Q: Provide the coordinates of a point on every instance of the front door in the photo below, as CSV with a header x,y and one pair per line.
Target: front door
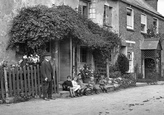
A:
x,y
149,67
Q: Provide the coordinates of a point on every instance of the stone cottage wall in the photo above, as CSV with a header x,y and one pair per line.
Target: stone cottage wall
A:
x,y
9,9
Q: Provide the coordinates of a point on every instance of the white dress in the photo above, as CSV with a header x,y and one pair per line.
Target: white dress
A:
x,y
75,86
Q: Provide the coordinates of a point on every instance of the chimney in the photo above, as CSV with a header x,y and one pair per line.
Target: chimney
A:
x,y
152,3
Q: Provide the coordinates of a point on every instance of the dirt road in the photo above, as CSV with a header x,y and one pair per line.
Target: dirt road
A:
x,y
145,100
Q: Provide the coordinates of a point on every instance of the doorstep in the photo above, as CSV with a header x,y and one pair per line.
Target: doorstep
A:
x,y
66,94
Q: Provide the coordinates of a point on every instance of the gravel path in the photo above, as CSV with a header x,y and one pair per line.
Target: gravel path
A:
x,y
145,100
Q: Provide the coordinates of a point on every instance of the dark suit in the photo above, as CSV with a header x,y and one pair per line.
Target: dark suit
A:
x,y
47,72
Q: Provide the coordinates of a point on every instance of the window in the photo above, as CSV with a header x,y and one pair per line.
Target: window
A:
x,y
129,55
155,24
83,8
130,18
143,23
92,12
107,19
83,54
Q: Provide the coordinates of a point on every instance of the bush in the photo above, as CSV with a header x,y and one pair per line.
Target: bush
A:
x,y
115,74
122,63
139,76
152,76
128,80
113,68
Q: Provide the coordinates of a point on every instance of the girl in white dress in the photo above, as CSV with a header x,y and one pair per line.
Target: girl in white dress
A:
x,y
76,87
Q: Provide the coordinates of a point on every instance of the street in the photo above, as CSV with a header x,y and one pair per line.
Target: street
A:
x,y
140,100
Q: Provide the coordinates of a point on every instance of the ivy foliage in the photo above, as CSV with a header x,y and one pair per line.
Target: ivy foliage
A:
x,y
34,26
122,63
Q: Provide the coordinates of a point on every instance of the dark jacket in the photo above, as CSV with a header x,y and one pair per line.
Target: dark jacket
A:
x,y
67,85
46,70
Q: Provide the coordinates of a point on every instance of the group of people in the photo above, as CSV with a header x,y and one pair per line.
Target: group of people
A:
x,y
75,86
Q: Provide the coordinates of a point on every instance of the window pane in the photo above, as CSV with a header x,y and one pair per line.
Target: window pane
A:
x,y
129,18
129,21
107,15
143,19
129,12
155,22
83,54
143,27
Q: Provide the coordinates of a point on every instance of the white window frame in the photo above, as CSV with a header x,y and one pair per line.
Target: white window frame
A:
x,y
132,20
106,20
157,28
131,59
83,4
92,11
144,23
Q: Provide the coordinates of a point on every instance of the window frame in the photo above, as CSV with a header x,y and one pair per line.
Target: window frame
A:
x,y
132,20
105,18
82,55
145,30
157,28
92,11
84,5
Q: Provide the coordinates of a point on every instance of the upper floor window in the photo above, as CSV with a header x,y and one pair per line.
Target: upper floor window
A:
x,y
130,18
143,23
83,8
92,11
155,24
107,19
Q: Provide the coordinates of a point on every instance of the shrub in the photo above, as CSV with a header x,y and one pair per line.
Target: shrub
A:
x,y
128,80
122,63
113,68
139,76
115,74
153,76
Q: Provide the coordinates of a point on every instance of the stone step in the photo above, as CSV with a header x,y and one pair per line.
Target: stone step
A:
x,y
64,94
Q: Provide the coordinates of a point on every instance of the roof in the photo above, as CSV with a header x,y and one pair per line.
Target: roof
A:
x,y
149,45
143,5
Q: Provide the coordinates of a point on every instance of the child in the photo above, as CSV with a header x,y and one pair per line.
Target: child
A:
x,y
83,87
68,86
92,85
76,87
102,84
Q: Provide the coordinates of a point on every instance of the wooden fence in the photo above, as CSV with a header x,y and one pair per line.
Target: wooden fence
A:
x,y
22,81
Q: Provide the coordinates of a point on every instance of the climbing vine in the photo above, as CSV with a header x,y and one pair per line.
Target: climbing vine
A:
x,y
35,26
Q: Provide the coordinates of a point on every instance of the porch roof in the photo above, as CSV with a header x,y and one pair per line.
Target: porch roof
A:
x,y
149,45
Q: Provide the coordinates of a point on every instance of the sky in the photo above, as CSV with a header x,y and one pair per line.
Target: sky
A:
x,y
161,7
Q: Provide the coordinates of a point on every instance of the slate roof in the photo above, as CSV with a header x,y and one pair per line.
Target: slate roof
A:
x,y
143,5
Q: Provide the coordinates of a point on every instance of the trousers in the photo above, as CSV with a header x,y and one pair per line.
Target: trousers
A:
x,y
47,89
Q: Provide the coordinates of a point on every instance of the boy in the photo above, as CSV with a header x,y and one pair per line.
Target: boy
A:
x,y
83,87
92,85
102,84
67,86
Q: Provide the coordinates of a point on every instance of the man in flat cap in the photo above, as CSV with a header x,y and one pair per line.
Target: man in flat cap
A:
x,y
47,75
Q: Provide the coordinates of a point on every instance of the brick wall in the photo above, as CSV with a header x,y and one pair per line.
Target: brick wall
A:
x,y
135,35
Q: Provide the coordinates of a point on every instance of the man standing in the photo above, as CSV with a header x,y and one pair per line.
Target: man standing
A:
x,y
47,75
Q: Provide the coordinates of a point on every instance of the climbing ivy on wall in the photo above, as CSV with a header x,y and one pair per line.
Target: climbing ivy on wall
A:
x,y
34,26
